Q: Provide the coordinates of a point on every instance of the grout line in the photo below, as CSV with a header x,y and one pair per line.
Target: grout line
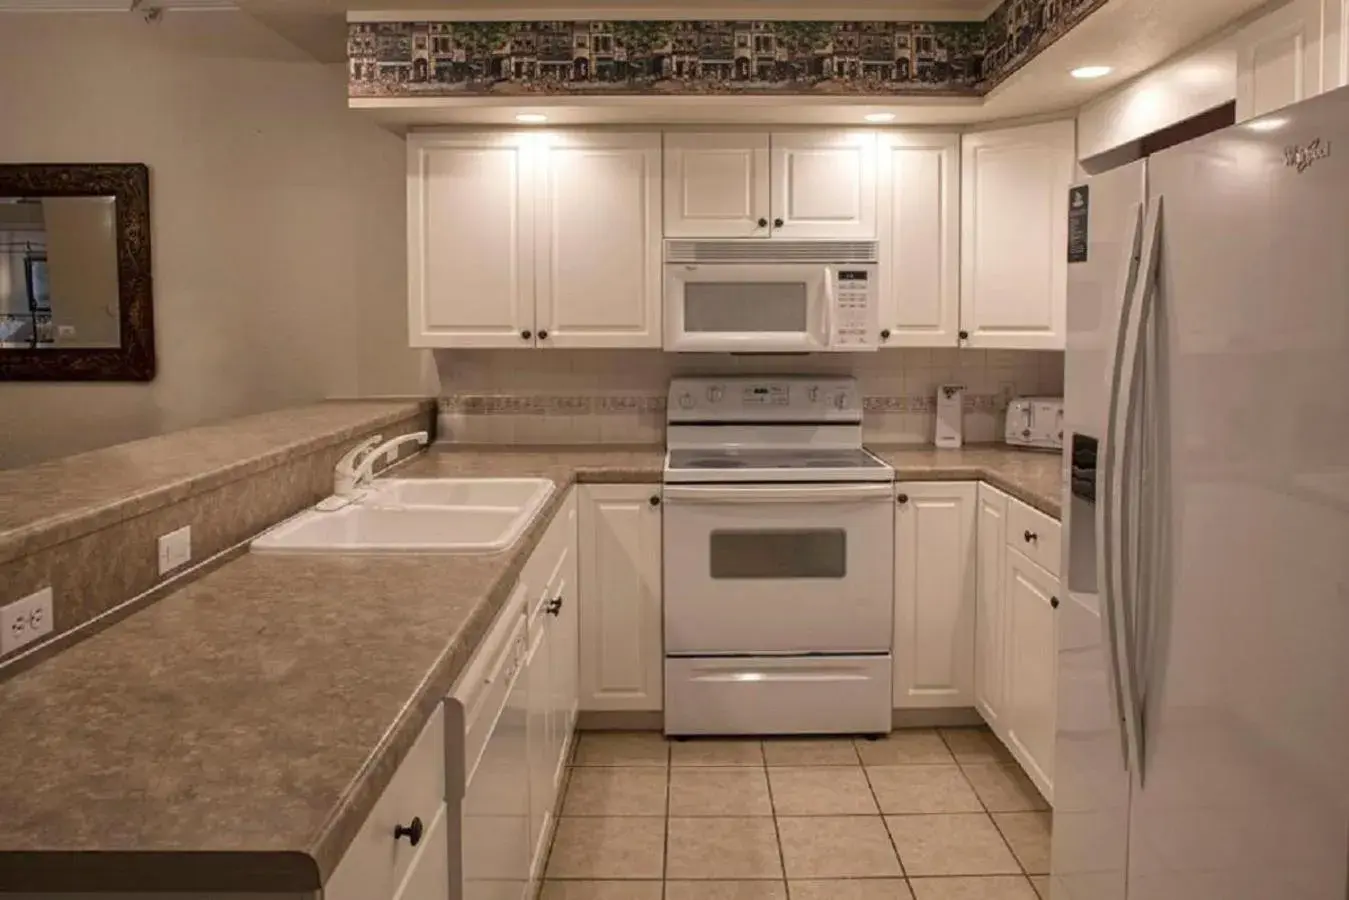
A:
x,y
903,870
669,787
773,808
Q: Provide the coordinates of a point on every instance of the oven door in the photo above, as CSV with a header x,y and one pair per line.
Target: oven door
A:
x,y
779,569
748,308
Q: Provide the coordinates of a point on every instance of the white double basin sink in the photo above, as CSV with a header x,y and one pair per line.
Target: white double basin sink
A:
x,y
417,515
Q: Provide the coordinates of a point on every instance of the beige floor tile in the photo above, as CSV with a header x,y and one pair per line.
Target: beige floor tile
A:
x,y
708,791
922,789
1000,887
975,745
851,889
622,748
608,848
698,752
810,752
821,847
1041,885
902,748
1004,788
1028,833
821,791
601,890
964,844
723,848
616,791
725,890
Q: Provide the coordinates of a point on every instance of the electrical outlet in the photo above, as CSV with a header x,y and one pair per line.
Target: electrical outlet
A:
x,y
175,549
26,620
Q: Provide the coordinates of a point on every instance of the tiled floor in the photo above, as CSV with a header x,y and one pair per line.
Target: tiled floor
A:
x,y
921,815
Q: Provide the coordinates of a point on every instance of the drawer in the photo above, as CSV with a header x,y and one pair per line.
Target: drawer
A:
x,y
376,863
1034,534
429,876
776,695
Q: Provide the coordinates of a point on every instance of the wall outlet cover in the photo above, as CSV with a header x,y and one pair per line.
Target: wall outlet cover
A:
x,y
26,620
175,549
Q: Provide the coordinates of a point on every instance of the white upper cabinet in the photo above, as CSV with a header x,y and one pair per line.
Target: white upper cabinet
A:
x,y
1014,236
622,650
534,239
716,185
919,210
935,594
790,185
824,184
1287,56
599,252
470,241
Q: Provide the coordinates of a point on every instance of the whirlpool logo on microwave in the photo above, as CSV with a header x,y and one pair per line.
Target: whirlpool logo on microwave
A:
x,y
1304,157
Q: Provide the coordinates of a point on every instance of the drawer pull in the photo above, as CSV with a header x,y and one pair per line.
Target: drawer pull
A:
x,y
412,832
1031,537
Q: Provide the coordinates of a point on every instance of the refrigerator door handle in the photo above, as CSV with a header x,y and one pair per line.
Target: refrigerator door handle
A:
x,y
1130,364
1106,507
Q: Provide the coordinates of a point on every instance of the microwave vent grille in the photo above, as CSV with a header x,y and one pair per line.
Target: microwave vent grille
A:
x,y
761,251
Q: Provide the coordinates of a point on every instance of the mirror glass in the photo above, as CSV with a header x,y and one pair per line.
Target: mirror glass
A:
x,y
58,273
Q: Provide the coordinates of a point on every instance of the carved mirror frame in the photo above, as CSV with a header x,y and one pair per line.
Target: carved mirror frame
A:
x,y
134,360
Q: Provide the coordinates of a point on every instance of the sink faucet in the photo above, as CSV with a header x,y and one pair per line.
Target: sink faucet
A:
x,y
344,475
364,470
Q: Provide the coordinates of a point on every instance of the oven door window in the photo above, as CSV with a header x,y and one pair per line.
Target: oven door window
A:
x,y
779,554
746,307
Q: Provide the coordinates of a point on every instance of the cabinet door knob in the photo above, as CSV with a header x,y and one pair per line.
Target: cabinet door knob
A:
x,y
1031,537
554,606
964,335
763,223
412,832
526,334
1054,602
778,223
885,334
903,498
655,500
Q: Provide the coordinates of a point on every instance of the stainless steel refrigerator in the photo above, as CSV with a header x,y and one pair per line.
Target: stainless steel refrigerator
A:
x,y
1202,745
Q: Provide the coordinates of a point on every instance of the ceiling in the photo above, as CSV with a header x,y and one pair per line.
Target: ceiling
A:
x,y
1130,35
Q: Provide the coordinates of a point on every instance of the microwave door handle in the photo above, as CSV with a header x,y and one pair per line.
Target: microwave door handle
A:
x,y
827,313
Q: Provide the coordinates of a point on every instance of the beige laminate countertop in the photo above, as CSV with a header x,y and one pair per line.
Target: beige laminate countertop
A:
x,y
235,735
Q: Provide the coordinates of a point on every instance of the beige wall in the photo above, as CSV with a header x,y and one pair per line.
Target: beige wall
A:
x,y
277,215
82,268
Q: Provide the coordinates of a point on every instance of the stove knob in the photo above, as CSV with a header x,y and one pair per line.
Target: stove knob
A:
x,y
813,394
714,394
841,400
686,401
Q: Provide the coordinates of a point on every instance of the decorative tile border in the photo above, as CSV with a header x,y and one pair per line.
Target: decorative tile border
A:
x,y
748,57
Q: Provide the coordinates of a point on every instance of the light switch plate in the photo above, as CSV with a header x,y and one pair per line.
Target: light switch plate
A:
x,y
26,620
175,549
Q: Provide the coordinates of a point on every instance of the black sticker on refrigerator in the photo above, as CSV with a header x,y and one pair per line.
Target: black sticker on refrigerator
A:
x,y
1079,218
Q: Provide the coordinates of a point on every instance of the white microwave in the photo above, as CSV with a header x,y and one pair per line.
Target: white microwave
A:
x,y
771,296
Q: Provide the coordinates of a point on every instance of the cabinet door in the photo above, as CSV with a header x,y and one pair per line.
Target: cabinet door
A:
x,y
470,240
824,184
1014,236
920,239
934,595
1279,58
620,592
1032,668
598,243
990,642
716,185
429,878
538,675
1334,44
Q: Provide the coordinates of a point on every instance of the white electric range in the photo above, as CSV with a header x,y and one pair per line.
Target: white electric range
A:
x,y
779,560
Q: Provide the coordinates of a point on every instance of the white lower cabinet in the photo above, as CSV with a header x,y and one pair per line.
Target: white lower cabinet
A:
x,y
1016,643
621,645
935,594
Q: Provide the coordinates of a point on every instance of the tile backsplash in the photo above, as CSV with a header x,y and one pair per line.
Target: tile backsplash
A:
x,y
618,396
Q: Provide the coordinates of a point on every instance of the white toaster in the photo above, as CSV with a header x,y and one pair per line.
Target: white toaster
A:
x,y
1035,422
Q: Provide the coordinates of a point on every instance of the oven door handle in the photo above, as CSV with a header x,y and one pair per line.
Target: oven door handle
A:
x,y
815,493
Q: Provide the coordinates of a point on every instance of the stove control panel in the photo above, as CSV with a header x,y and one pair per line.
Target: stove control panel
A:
x,y
758,399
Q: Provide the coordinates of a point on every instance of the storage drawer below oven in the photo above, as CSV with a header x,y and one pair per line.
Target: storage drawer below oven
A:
x,y
778,695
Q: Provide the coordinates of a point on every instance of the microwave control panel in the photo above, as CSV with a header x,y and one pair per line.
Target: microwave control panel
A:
x,y
854,315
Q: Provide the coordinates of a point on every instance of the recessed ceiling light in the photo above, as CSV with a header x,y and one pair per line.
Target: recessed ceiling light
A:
x,y
531,118
1088,72
879,117
1267,124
